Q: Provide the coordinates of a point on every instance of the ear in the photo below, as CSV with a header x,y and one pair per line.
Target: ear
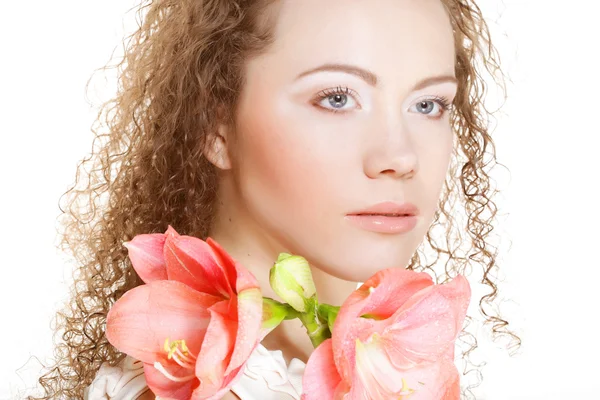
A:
x,y
216,148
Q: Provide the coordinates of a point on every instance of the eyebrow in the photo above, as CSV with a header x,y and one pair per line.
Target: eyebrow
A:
x,y
371,78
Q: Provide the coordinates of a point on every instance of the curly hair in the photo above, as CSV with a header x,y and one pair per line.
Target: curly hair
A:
x,y
182,67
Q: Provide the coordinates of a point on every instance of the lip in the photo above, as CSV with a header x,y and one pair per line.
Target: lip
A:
x,y
390,208
386,217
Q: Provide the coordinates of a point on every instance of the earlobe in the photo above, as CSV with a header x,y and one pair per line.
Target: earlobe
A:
x,y
215,149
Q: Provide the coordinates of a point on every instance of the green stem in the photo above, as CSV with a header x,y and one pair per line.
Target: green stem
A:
x,y
328,313
316,327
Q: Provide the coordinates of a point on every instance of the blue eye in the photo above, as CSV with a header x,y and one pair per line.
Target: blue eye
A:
x,y
335,99
426,107
338,100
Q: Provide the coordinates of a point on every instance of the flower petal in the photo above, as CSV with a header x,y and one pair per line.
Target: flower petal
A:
x,y
216,349
146,254
229,381
390,288
427,325
193,261
320,378
235,274
376,378
380,296
140,321
249,317
165,388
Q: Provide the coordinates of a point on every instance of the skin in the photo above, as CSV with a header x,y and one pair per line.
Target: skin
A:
x,y
290,169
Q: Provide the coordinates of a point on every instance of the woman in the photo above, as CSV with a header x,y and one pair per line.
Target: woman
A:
x,y
284,126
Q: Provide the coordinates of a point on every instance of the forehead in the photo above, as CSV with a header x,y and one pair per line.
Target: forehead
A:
x,y
394,38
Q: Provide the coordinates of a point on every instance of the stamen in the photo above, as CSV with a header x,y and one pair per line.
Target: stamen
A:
x,y
173,347
187,357
184,358
183,363
162,370
181,356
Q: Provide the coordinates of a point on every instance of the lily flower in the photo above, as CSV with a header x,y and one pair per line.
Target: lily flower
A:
x,y
195,321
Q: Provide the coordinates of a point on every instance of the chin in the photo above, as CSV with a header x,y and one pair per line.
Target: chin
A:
x,y
357,256
358,268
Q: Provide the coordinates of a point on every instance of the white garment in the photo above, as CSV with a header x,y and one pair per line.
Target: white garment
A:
x,y
266,377
123,382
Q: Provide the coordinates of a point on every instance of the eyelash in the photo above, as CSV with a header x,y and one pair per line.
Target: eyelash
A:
x,y
442,101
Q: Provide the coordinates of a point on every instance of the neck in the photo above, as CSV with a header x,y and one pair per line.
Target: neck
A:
x,y
256,251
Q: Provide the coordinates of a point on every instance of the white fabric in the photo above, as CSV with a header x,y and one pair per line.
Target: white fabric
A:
x,y
266,377
123,382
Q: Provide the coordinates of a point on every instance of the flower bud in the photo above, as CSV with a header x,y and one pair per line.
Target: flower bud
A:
x,y
274,313
291,279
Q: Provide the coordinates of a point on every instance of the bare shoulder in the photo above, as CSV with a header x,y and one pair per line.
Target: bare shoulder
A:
x,y
148,395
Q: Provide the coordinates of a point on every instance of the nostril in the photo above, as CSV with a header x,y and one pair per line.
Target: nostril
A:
x,y
405,175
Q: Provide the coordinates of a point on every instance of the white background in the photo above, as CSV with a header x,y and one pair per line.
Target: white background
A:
x,y
548,137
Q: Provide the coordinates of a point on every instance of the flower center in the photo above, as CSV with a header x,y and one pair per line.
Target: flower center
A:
x,y
405,391
178,352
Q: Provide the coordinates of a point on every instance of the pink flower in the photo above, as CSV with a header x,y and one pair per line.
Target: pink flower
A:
x,y
195,321
393,339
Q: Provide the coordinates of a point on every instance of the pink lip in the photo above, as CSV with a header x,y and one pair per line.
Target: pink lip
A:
x,y
387,217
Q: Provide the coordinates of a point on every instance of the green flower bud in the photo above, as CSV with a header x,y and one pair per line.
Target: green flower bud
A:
x,y
292,280
274,313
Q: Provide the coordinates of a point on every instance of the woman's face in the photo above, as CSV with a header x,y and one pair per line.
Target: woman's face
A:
x,y
345,111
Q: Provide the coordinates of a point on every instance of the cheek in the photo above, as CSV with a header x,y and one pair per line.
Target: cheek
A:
x,y
435,158
434,153
284,162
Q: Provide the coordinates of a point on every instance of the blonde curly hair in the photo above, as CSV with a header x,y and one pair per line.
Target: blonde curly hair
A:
x,y
182,64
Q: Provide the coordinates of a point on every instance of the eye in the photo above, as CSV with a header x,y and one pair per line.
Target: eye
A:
x,y
336,99
435,107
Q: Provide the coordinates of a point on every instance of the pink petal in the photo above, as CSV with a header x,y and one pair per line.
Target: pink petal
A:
x,y
192,261
320,378
229,265
171,232
249,316
245,279
140,321
377,378
166,388
389,289
216,350
375,371
146,254
381,295
229,381
427,325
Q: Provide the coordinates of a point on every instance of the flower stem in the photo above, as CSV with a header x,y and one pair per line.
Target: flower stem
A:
x,y
328,313
316,327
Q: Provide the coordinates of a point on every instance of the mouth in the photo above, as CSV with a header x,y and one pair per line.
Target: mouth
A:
x,y
388,209
387,217
382,214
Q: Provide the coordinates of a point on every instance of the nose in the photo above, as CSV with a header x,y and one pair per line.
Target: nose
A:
x,y
391,154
